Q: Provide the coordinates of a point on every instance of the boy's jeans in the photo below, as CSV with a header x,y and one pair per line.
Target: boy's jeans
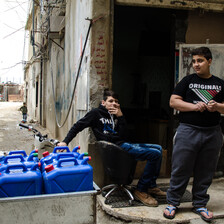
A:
x,y
24,117
153,154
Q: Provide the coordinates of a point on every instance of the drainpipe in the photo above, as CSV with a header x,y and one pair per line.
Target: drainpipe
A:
x,y
41,75
33,41
41,88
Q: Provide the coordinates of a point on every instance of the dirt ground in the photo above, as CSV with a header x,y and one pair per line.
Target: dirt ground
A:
x,y
12,137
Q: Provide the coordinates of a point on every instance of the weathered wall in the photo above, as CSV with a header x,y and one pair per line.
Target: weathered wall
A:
x,y
65,69
33,68
48,101
94,72
32,74
203,26
101,50
216,5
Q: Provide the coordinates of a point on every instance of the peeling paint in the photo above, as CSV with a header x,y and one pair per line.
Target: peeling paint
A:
x,y
207,5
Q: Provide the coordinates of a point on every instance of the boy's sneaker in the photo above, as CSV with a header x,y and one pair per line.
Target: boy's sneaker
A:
x,y
145,198
157,192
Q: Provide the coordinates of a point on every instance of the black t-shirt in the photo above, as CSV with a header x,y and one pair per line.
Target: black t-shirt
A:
x,y
194,89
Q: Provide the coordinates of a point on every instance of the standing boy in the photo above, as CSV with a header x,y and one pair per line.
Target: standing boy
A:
x,y
108,124
23,109
199,97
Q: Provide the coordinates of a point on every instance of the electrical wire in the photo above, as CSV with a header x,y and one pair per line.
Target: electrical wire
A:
x,y
24,41
77,75
13,65
14,32
45,33
12,8
76,81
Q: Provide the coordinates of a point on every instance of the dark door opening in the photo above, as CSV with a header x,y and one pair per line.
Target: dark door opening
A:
x,y
144,69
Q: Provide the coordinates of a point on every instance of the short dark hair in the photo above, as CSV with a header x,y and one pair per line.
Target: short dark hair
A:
x,y
205,51
108,93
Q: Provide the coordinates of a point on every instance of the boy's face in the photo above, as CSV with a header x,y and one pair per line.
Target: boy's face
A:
x,y
110,102
201,65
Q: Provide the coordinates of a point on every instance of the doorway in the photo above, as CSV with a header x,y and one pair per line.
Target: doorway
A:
x,y
144,70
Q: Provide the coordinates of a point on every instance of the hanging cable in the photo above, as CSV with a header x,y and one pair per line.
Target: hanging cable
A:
x,y
77,76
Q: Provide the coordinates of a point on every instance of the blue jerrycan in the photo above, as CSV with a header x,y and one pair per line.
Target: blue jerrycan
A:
x,y
68,176
33,157
17,159
25,156
18,152
34,151
56,151
54,161
46,155
75,151
17,180
82,156
2,158
48,158
59,148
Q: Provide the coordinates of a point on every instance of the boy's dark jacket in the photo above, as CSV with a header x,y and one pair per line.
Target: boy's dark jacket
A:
x,y
105,126
23,109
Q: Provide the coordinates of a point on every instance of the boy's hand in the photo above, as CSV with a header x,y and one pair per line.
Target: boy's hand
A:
x,y
200,106
116,110
61,144
212,106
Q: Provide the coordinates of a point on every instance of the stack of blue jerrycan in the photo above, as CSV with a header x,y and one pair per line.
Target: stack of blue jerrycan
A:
x,y
52,158
34,154
19,156
58,153
20,174
66,171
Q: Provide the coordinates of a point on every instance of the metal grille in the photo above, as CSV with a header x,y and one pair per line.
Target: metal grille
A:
x,y
119,199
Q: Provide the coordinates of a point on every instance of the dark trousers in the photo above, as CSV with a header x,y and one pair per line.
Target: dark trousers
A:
x,y
153,154
24,117
196,152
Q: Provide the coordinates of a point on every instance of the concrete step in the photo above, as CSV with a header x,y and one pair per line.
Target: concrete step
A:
x,y
144,214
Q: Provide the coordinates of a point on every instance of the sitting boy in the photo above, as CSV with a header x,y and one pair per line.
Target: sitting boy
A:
x,y
108,124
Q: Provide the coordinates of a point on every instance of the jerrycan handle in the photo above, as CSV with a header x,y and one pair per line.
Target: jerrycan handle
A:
x,y
15,166
84,161
65,155
60,161
35,167
14,157
76,149
30,158
82,155
60,148
18,152
34,151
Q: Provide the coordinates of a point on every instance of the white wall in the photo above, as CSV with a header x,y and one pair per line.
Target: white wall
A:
x,y
93,76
